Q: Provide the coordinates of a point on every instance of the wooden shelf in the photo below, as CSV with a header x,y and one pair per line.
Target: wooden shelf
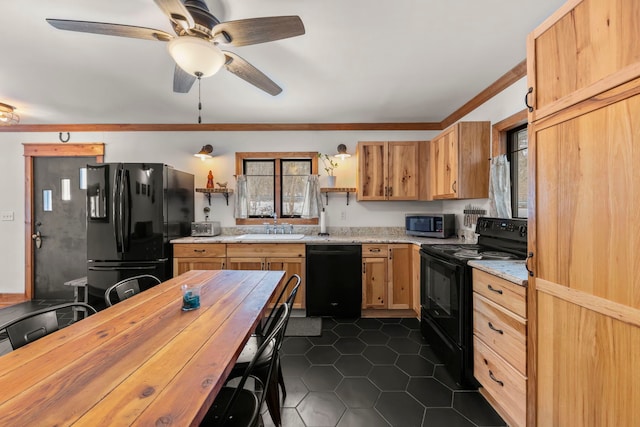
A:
x,y
327,190
207,192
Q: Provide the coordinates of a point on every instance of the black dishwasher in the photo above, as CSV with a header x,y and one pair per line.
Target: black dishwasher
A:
x,y
334,280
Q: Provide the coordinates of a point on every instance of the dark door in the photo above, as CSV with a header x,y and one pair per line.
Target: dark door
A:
x,y
60,220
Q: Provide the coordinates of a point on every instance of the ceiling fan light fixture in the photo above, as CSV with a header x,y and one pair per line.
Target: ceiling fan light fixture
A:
x,y
8,116
196,56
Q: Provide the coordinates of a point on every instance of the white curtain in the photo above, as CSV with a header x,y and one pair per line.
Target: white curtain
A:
x,y
241,207
312,204
500,187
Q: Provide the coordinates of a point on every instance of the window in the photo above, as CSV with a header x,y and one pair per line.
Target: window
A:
x,y
517,147
276,182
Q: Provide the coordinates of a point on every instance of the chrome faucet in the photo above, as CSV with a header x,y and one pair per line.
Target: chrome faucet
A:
x,y
275,218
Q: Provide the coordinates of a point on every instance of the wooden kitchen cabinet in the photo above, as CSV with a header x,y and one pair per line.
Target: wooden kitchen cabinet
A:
x,y
271,256
387,276
198,256
583,64
459,162
388,170
500,344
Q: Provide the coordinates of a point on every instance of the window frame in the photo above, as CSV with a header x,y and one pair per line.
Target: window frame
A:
x,y
514,169
277,157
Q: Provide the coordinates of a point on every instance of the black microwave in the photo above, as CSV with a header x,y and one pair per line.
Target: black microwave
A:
x,y
430,225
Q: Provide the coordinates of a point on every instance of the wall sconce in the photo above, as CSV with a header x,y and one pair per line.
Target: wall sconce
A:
x,y
205,152
7,115
342,152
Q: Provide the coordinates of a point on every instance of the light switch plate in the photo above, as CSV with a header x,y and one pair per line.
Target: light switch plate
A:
x,y
6,215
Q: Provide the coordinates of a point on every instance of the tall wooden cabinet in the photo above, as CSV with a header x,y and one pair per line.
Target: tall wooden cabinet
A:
x,y
459,162
584,144
388,170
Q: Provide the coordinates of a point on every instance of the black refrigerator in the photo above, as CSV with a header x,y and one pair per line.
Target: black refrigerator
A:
x,y
133,211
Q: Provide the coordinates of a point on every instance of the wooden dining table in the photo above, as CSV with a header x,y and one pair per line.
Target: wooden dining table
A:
x,y
143,361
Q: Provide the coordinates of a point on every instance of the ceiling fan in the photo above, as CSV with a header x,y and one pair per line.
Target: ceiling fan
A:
x,y
195,48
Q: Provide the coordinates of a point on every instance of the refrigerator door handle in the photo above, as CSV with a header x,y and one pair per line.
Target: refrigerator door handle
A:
x,y
119,218
115,203
126,211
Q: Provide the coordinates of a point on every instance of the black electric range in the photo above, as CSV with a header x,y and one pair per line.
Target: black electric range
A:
x,y
446,289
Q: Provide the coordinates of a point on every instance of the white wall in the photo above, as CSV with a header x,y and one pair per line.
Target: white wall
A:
x,y
177,148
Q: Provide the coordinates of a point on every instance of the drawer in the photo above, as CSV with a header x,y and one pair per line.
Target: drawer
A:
x,y
507,294
199,250
503,331
283,250
506,385
370,250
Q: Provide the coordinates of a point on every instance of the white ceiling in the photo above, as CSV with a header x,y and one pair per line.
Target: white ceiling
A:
x,y
367,61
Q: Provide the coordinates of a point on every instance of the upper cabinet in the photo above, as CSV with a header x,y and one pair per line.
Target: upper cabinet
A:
x,y
581,50
459,162
388,170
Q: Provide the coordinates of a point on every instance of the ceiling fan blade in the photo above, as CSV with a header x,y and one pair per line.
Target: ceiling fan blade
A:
x,y
241,68
182,81
245,32
177,13
110,29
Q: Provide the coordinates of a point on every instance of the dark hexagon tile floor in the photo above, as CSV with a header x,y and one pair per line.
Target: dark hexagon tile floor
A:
x,y
373,373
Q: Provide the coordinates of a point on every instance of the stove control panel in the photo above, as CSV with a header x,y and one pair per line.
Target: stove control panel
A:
x,y
505,228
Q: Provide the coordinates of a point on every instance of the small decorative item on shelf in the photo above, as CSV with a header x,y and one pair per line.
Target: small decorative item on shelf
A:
x,y
210,180
222,185
329,166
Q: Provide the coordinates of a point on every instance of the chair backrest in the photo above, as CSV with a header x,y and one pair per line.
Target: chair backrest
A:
x,y
293,279
273,337
127,288
31,326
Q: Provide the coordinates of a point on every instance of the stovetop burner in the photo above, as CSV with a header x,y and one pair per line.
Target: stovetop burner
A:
x,y
468,254
496,255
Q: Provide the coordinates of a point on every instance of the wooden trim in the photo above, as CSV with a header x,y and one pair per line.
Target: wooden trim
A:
x,y
532,296
601,100
11,299
617,311
223,127
45,150
555,17
506,80
500,129
618,78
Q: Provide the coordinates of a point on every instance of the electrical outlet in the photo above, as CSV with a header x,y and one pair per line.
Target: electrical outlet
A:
x,y
343,215
6,215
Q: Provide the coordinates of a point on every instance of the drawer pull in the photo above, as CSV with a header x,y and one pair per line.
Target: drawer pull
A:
x,y
493,328
495,379
200,251
492,289
374,250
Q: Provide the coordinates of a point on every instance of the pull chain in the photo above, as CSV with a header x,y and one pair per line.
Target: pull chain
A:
x,y
199,75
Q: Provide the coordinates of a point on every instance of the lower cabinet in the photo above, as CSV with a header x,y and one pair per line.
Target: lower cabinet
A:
x,y
387,276
198,256
270,256
500,344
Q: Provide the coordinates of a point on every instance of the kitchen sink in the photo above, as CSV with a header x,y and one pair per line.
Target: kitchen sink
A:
x,y
270,237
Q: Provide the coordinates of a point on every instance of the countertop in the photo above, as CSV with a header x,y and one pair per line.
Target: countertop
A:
x,y
315,239
513,271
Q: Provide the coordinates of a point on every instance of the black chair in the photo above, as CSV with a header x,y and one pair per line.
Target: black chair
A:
x,y
238,406
128,287
31,326
261,371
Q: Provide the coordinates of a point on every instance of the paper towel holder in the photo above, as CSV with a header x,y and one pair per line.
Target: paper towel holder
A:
x,y
323,228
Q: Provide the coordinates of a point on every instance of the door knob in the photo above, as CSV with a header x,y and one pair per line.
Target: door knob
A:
x,y
37,237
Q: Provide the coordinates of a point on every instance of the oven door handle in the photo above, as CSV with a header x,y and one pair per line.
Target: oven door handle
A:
x,y
431,258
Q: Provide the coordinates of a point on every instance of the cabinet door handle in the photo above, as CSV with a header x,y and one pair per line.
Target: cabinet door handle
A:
x,y
495,379
390,191
200,251
224,265
454,186
526,264
262,266
386,191
364,268
376,250
268,266
492,289
493,328
526,100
